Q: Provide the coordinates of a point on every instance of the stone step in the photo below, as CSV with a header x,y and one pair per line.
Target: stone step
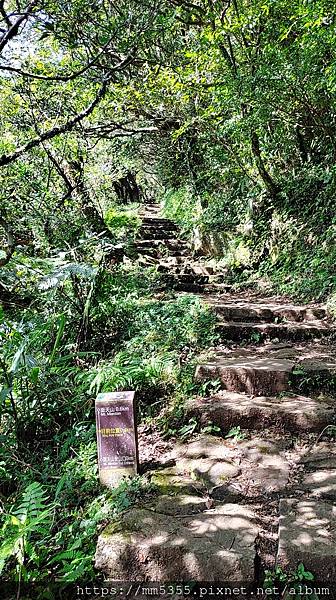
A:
x,y
159,253
191,288
224,468
183,266
175,538
319,480
149,205
165,224
184,278
263,312
216,288
150,211
293,413
156,234
320,456
173,260
272,370
307,534
170,243
171,267
234,330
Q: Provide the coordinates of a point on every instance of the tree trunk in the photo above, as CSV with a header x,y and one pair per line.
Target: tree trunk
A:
x,y
270,184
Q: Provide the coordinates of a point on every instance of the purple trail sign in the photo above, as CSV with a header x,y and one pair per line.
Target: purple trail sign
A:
x,y
116,437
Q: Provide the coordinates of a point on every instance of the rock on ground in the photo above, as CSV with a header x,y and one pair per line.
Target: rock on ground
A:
x,y
307,534
264,464
292,412
216,545
321,483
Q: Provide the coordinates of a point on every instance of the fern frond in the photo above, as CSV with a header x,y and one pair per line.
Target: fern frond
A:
x,y
65,555
33,502
64,272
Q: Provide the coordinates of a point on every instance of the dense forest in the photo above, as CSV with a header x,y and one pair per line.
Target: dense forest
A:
x,y
221,113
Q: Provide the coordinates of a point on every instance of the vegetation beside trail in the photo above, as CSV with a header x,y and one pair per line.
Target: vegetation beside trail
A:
x,y
53,505
223,113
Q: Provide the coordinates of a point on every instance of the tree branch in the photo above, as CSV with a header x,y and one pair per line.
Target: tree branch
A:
x,y
114,130
11,244
71,76
6,159
13,29
4,14
271,186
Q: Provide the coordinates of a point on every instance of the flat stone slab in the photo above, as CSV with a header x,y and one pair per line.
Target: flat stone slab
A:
x,y
321,484
320,456
205,446
269,370
283,331
239,309
185,505
170,243
175,481
216,545
264,464
293,413
201,463
211,472
253,375
307,534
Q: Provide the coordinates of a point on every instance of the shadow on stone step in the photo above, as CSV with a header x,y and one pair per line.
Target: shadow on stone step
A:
x,y
167,541
288,413
150,465
307,534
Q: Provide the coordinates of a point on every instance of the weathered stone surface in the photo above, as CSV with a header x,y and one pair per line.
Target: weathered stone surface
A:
x,y
257,375
268,372
184,505
320,456
173,480
152,233
246,313
192,288
206,459
171,243
217,545
307,533
321,483
264,464
238,310
205,446
300,313
283,331
294,413
181,278
211,472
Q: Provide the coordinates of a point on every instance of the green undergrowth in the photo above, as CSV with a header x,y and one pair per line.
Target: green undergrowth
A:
x,y
49,532
303,267
284,245
123,222
181,206
126,334
297,262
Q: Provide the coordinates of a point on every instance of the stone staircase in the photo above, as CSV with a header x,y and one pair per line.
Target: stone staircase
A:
x,y
158,244
230,507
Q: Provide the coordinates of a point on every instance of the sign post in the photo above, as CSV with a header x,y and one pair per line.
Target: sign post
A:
x,y
116,437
